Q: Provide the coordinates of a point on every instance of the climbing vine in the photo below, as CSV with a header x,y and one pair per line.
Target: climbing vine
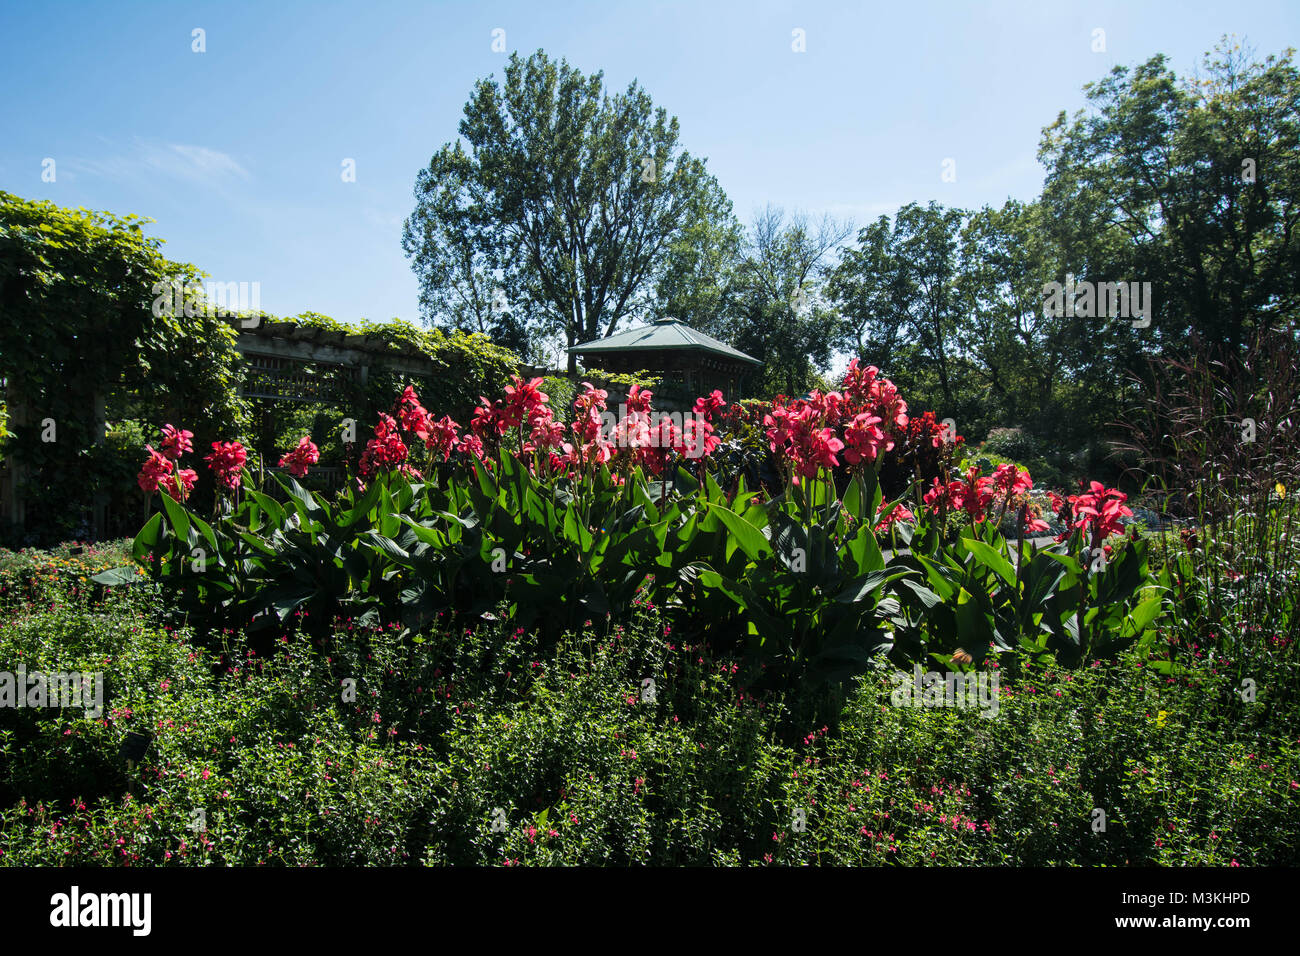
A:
x,y
77,322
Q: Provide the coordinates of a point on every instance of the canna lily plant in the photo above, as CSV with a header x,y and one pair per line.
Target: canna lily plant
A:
x,y
559,523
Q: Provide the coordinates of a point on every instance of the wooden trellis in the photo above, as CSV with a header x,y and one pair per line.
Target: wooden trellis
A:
x,y
280,379
291,362
288,363
284,362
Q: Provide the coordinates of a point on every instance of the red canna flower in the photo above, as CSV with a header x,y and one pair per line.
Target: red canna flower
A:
x,y
899,513
413,416
442,436
157,468
297,460
638,399
864,438
176,441
592,398
227,463
180,487
707,406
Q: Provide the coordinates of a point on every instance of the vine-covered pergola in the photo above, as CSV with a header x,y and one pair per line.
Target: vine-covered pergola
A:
x,y
288,362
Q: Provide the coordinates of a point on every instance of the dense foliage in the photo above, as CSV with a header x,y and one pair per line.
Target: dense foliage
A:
x,y
565,215
349,681
77,323
479,747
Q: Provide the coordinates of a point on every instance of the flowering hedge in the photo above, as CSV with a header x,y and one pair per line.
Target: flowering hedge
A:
x,y
774,442
563,522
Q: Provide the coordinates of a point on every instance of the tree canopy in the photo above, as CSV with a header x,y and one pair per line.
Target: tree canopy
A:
x,y
567,209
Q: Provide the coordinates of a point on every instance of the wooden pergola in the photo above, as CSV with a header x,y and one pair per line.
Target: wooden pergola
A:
x,y
283,362
278,355
289,362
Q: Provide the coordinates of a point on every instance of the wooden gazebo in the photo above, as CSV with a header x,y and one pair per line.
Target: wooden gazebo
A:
x,y
690,362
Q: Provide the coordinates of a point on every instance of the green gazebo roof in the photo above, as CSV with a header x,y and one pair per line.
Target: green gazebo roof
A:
x,y
661,335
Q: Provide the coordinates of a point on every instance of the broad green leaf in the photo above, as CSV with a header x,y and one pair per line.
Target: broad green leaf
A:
x,y
750,538
992,559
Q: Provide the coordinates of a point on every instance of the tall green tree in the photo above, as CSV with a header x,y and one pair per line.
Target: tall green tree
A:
x,y
926,243
570,200
1053,374
870,286
777,310
1190,183
458,258
698,283
897,293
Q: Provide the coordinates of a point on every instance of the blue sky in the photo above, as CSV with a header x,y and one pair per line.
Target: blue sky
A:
x,y
237,152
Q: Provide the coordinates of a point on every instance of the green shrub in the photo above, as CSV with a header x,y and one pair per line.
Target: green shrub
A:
x,y
1013,444
576,764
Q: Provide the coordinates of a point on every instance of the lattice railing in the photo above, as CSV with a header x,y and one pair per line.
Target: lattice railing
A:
x,y
291,380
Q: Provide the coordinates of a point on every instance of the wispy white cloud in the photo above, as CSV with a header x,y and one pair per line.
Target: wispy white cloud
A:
x,y
196,162
199,165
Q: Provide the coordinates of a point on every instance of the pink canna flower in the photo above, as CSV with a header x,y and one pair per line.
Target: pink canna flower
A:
x,y
1097,513
709,405
638,399
470,445
521,398
858,381
697,439
490,419
306,453
546,432
1008,481
227,463
949,495
591,399
179,488
157,468
442,436
176,441
864,438
413,416
824,446
1033,523
385,451
899,513
975,492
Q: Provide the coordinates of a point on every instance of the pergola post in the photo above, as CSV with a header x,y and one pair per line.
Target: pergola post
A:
x,y
99,515
13,506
